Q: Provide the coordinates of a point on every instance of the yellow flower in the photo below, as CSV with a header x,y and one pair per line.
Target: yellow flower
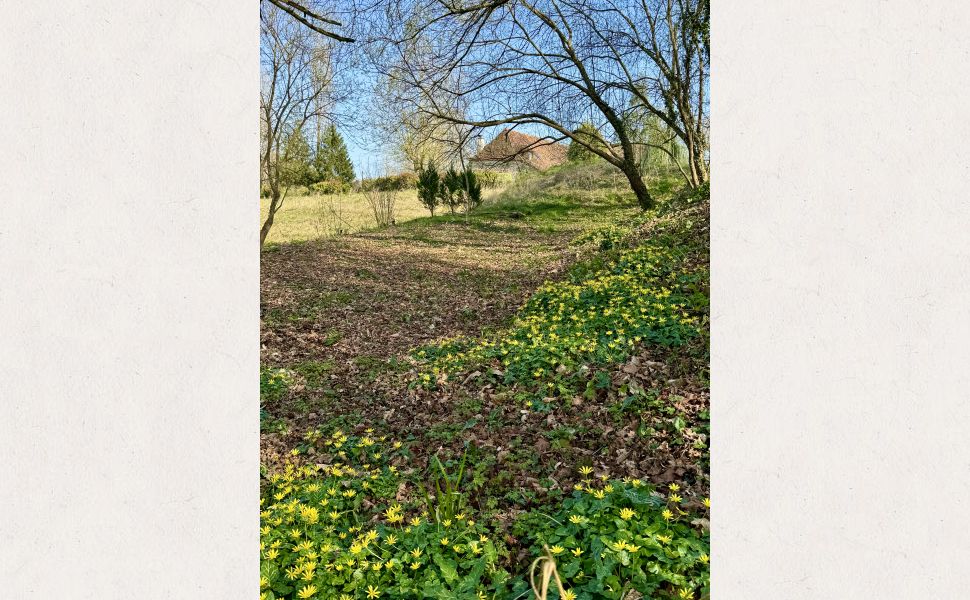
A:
x,y
704,558
444,541
416,553
667,514
626,514
600,494
707,502
576,519
686,594
372,592
307,591
577,551
416,521
556,550
272,554
675,498
586,470
392,539
569,595
263,581
415,566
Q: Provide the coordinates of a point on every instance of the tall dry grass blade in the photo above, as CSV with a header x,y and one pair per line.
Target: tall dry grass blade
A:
x,y
547,565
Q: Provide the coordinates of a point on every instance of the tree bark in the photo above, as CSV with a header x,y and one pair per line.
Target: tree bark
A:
x,y
644,199
274,205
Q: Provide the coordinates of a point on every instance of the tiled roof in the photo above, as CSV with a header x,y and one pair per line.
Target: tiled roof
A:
x,y
514,146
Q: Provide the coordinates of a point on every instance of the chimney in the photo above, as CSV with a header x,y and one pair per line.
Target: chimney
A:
x,y
479,143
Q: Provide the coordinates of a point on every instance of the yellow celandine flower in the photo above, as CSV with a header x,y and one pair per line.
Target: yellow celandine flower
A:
x,y
482,538
675,498
666,539
586,470
415,566
704,558
569,595
446,522
707,502
577,551
674,487
600,494
481,595
372,592
626,514
578,486
444,541
686,594
556,550
416,553
345,597
667,514
272,554
416,521
307,592
263,581
391,539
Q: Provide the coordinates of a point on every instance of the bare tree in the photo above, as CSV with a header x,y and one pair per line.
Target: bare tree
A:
x,y
309,18
555,63
296,72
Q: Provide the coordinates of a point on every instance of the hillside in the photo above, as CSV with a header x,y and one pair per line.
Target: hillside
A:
x,y
546,353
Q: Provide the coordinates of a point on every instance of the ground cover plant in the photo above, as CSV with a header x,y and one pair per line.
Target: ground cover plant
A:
x,y
341,529
533,373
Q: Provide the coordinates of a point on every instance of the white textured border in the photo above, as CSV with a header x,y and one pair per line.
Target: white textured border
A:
x,y
841,287
128,300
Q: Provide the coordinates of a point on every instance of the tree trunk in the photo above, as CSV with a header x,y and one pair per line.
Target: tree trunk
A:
x,y
274,205
644,199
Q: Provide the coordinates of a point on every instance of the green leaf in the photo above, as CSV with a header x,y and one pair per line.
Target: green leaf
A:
x,y
449,570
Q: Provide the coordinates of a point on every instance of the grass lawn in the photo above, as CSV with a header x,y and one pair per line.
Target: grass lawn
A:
x,y
308,217
305,218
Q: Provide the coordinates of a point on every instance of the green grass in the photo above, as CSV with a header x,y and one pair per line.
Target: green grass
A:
x,y
308,217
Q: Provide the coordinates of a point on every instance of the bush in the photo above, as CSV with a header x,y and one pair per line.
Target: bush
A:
x,y
460,189
428,184
390,183
450,189
331,186
381,203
